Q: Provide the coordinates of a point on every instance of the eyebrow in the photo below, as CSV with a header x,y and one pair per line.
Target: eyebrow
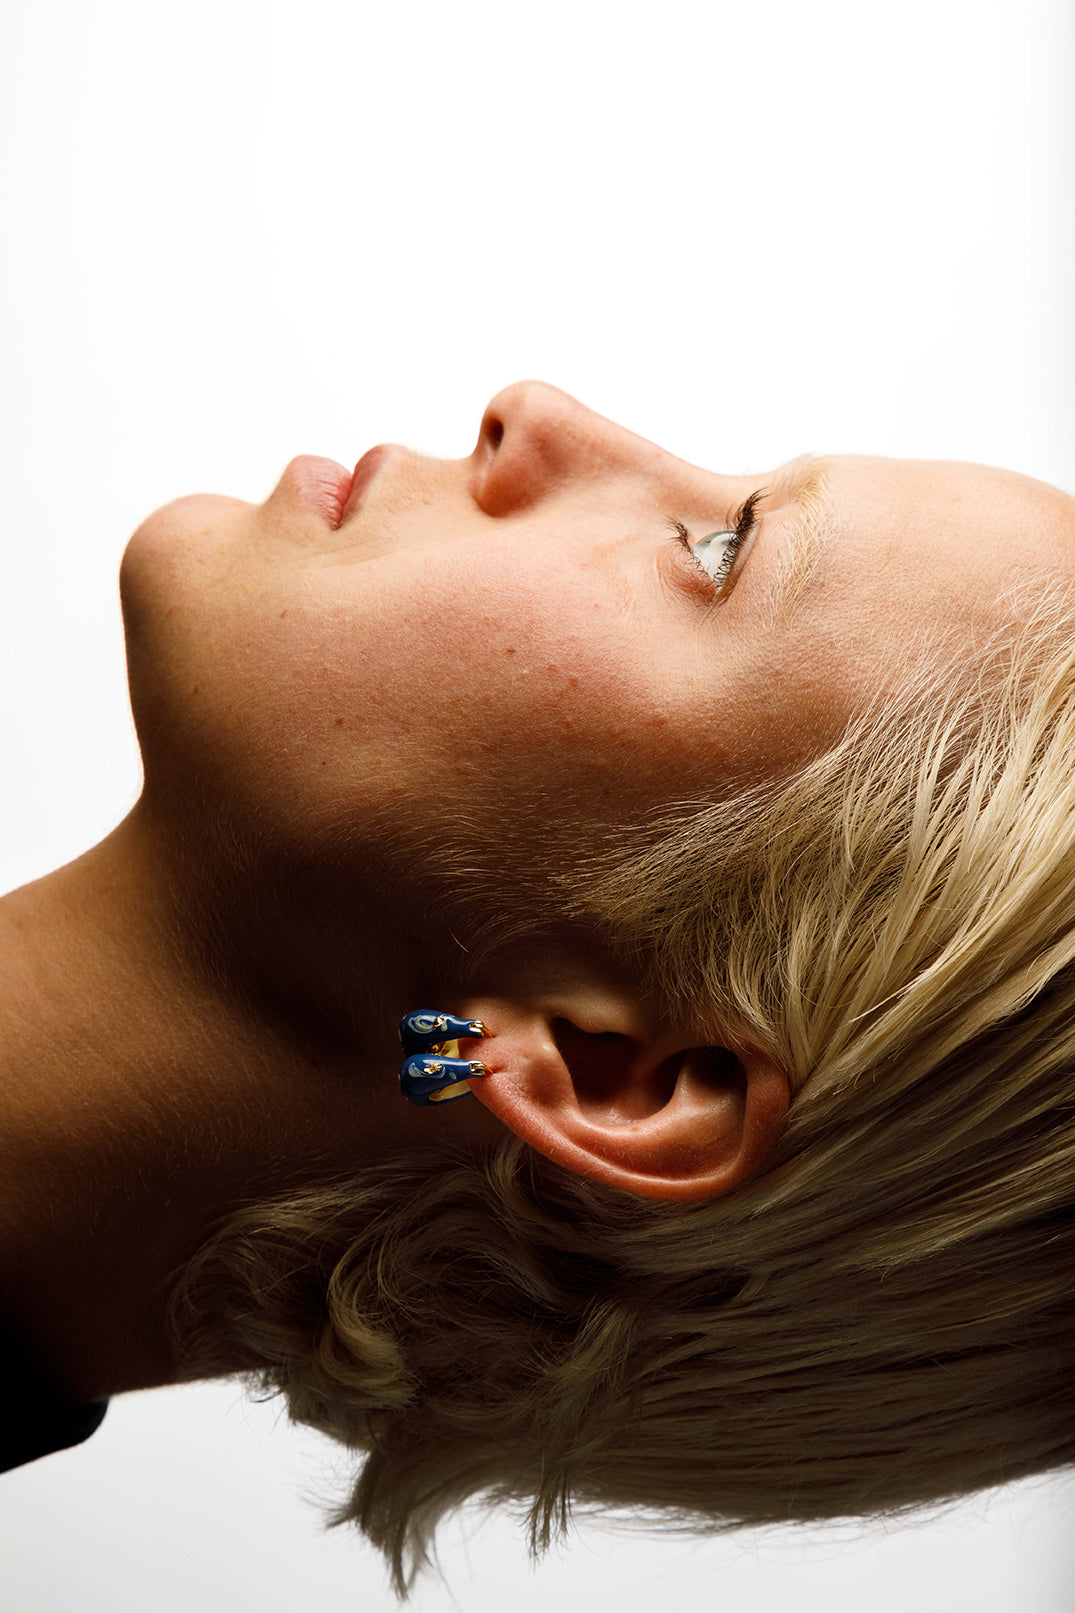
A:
x,y
805,481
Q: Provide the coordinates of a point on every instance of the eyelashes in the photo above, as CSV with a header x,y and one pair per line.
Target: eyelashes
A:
x,y
720,548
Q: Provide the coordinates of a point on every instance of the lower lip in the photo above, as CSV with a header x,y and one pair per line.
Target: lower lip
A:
x,y
320,485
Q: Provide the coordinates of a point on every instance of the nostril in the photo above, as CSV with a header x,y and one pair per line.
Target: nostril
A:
x,y
494,431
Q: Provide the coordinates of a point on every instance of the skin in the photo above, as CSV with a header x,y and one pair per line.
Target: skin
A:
x,y
487,663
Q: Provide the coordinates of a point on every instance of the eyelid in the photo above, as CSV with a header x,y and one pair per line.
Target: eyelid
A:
x,y
745,516
743,523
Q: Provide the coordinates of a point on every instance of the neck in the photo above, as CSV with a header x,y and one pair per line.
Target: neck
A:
x,y
139,1103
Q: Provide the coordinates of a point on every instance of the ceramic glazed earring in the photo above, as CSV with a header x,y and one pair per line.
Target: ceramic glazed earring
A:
x,y
433,1072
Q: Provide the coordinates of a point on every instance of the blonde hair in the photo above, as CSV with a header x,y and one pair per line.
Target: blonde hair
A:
x,y
880,1320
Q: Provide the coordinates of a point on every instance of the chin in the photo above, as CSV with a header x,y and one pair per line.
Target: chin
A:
x,y
185,519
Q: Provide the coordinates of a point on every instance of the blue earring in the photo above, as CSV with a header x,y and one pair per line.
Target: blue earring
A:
x,y
433,1073
422,1029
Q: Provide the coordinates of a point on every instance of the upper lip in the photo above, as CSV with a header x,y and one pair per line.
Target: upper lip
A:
x,y
365,471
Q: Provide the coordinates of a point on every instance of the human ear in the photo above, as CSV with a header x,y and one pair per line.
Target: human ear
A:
x,y
588,1085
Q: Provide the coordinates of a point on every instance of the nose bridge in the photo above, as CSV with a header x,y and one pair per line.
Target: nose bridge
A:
x,y
536,439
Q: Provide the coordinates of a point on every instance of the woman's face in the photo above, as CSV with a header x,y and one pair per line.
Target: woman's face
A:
x,y
522,638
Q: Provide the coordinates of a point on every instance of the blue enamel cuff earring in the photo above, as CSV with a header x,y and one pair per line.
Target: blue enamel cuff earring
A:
x,y
433,1072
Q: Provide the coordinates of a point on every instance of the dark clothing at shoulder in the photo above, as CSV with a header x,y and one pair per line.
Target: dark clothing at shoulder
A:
x,y
37,1416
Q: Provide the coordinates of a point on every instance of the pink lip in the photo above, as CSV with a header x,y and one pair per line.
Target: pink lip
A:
x,y
364,473
320,485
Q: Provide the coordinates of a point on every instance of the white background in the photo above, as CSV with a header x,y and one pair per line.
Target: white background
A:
x,y
233,232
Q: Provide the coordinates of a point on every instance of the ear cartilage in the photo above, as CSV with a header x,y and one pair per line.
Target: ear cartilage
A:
x,y
425,1079
424,1029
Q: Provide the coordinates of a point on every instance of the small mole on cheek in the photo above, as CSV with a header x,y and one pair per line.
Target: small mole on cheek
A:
x,y
194,689
283,613
339,722
510,650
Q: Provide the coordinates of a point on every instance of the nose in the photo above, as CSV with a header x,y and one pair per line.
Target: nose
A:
x,y
535,440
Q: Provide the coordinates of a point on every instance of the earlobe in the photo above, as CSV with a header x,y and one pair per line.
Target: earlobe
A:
x,y
650,1114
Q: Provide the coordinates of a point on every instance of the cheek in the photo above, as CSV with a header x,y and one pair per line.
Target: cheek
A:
x,y
486,682
546,670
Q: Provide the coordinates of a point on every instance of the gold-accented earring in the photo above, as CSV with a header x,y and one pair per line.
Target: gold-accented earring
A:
x,y
434,1072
